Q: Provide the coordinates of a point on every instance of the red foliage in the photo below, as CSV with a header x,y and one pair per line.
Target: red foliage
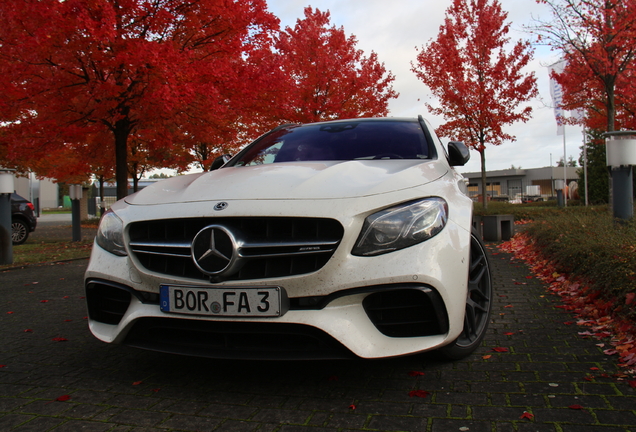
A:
x,y
526,415
600,71
418,393
480,84
328,77
80,79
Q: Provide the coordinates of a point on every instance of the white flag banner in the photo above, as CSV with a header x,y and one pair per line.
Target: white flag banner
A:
x,y
557,95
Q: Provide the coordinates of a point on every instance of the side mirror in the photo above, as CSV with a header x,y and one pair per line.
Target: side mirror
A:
x,y
220,161
458,153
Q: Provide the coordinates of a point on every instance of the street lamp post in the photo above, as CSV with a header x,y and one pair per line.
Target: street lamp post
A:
x,y
75,193
6,240
559,185
621,156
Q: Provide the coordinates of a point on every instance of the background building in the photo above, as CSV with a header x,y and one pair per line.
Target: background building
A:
x,y
519,183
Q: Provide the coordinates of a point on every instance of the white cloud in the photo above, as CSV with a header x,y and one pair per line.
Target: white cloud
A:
x,y
394,29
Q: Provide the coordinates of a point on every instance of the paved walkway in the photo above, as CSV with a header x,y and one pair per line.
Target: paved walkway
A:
x,y
56,376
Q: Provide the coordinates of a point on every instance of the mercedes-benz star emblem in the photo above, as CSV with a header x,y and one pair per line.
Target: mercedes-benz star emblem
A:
x,y
213,249
221,206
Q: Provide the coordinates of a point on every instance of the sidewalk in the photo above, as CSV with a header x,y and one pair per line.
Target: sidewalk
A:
x,y
55,376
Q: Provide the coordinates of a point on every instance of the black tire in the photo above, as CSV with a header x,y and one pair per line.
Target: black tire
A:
x,y
19,232
478,304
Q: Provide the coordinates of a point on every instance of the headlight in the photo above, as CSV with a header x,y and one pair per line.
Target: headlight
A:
x,y
110,234
401,226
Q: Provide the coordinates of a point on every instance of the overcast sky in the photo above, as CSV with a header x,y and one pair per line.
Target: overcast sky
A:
x,y
394,28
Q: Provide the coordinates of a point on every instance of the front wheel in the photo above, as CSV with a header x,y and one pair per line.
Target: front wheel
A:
x,y
19,232
478,304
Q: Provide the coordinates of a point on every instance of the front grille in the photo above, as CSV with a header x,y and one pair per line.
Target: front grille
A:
x,y
235,340
407,312
270,247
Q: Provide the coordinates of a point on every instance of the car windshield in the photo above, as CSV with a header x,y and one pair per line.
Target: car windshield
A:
x,y
339,141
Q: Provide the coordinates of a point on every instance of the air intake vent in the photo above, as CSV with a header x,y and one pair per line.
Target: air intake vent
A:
x,y
106,303
407,312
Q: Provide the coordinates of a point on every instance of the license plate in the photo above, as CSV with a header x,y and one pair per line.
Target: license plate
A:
x,y
230,301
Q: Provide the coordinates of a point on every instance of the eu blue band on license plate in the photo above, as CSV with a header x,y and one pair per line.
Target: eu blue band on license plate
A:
x,y
221,301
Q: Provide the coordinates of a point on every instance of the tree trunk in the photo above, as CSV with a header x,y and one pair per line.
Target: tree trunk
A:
x,y
484,192
122,129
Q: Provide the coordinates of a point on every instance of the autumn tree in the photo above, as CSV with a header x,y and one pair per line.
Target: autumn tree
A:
x,y
80,73
477,76
596,38
329,77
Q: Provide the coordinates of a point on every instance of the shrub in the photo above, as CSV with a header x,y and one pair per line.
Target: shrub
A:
x,y
590,244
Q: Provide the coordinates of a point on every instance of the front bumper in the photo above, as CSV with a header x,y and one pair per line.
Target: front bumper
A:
x,y
332,312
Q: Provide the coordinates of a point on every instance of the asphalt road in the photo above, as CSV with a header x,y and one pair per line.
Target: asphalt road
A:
x,y
56,376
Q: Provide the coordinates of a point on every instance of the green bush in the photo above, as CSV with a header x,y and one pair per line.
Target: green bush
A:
x,y
590,244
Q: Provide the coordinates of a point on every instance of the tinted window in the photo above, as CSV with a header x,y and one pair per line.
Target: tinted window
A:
x,y
339,141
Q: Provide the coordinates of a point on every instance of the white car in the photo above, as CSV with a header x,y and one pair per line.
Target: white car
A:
x,y
348,238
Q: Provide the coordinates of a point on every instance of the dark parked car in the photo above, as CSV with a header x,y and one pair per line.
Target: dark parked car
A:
x,y
23,220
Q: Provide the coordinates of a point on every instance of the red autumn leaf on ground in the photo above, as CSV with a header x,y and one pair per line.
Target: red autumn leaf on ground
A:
x,y
10,312
352,407
594,368
588,378
529,277
44,301
508,333
500,349
63,398
629,298
59,339
155,390
416,373
526,415
28,331
632,383
418,393
568,322
137,383
1,366
486,357
68,320
576,407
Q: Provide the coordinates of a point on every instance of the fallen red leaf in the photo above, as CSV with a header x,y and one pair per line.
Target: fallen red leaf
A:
x,y
509,333
63,398
44,301
418,393
1,366
59,339
155,390
500,349
416,373
526,415
352,407
588,378
10,312
629,298
28,331
137,383
594,368
576,407
632,383
486,357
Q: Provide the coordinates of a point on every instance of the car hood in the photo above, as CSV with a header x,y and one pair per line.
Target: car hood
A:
x,y
293,180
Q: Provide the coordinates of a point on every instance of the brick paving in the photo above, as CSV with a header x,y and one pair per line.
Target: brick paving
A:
x,y
543,373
